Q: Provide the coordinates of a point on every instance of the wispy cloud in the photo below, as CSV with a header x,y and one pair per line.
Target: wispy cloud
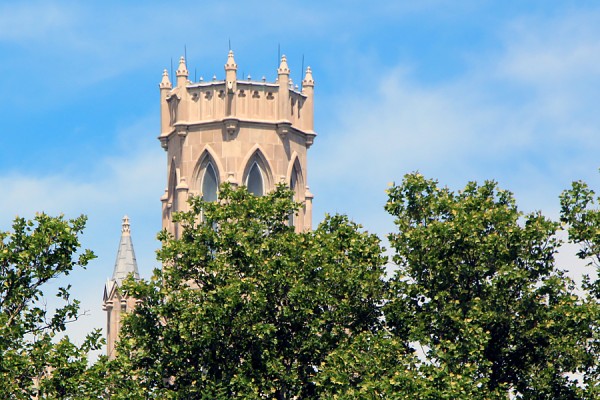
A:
x,y
523,114
552,52
130,183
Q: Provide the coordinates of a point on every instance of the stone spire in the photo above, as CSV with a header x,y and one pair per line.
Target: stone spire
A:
x,y
308,78
308,89
231,82
283,67
283,78
182,72
231,65
231,74
165,87
165,83
125,263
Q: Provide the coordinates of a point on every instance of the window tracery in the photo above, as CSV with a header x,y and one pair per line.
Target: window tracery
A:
x,y
255,180
210,183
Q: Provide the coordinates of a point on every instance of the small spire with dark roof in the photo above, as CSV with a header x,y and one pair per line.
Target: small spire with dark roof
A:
x,y
126,263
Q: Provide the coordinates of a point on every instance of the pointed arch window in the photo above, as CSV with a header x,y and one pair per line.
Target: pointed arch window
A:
x,y
294,180
293,185
172,187
210,183
255,181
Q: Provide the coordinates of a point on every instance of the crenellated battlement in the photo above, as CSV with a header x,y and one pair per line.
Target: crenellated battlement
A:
x,y
244,132
232,100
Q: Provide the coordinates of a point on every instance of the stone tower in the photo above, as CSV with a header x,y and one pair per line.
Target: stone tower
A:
x,y
245,132
115,301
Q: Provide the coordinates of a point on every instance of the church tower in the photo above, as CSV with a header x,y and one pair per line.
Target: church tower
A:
x,y
241,131
115,301
245,132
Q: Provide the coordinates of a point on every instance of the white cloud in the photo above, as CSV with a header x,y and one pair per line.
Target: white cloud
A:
x,y
122,182
524,115
552,52
487,123
130,183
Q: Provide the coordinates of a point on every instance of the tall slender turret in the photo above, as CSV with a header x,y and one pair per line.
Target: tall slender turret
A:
x,y
283,78
231,83
165,87
308,89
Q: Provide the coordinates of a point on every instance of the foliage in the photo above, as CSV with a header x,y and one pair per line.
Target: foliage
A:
x,y
477,287
245,307
32,361
580,213
369,365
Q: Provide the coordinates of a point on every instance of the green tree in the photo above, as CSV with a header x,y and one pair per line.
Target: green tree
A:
x,y
579,211
245,307
32,359
370,366
580,214
477,288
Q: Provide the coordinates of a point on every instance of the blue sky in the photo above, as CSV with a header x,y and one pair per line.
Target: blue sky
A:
x,y
460,91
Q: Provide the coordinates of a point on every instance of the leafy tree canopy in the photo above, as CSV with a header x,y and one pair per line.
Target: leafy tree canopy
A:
x,y
245,307
32,359
478,289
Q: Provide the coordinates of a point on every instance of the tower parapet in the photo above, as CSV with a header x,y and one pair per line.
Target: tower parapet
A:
x,y
233,125
192,104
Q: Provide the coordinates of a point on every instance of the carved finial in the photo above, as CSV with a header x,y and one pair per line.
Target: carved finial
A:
x,y
231,65
125,229
214,77
165,83
201,79
308,78
283,67
249,77
182,70
264,78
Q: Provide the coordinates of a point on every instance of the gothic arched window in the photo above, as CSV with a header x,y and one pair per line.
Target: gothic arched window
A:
x,y
293,185
255,182
210,184
294,179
